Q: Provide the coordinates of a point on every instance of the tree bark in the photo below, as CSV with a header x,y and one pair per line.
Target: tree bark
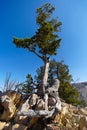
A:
x,y
40,113
41,90
46,101
45,76
44,81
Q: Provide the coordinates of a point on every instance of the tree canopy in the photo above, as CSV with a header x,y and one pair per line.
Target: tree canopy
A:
x,y
46,40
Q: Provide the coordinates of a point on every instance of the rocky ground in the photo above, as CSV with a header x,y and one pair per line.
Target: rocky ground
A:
x,y
28,113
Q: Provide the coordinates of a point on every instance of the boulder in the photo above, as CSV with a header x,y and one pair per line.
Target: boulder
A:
x,y
52,127
2,125
15,97
19,127
83,111
24,120
25,106
8,126
9,108
30,113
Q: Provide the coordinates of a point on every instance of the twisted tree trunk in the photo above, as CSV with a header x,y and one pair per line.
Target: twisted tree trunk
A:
x,y
42,90
44,81
45,76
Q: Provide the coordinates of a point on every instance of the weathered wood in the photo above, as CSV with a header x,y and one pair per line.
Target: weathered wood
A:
x,y
43,85
46,101
45,76
33,113
42,113
46,69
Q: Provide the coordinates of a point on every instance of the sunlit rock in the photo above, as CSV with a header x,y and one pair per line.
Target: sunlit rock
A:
x,y
9,108
15,97
19,127
2,125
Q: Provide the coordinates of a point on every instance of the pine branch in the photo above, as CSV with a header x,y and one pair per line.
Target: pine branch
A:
x,y
36,54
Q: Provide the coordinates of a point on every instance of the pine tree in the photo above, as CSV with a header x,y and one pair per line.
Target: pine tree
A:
x,y
45,42
60,71
26,88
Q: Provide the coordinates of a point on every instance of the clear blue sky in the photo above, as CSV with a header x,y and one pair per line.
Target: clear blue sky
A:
x,y
17,18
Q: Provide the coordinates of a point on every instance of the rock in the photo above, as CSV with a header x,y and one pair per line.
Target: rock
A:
x,y
15,97
84,128
8,126
83,111
19,127
32,122
9,108
2,125
36,124
32,115
82,123
5,126
24,120
65,108
52,127
25,106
